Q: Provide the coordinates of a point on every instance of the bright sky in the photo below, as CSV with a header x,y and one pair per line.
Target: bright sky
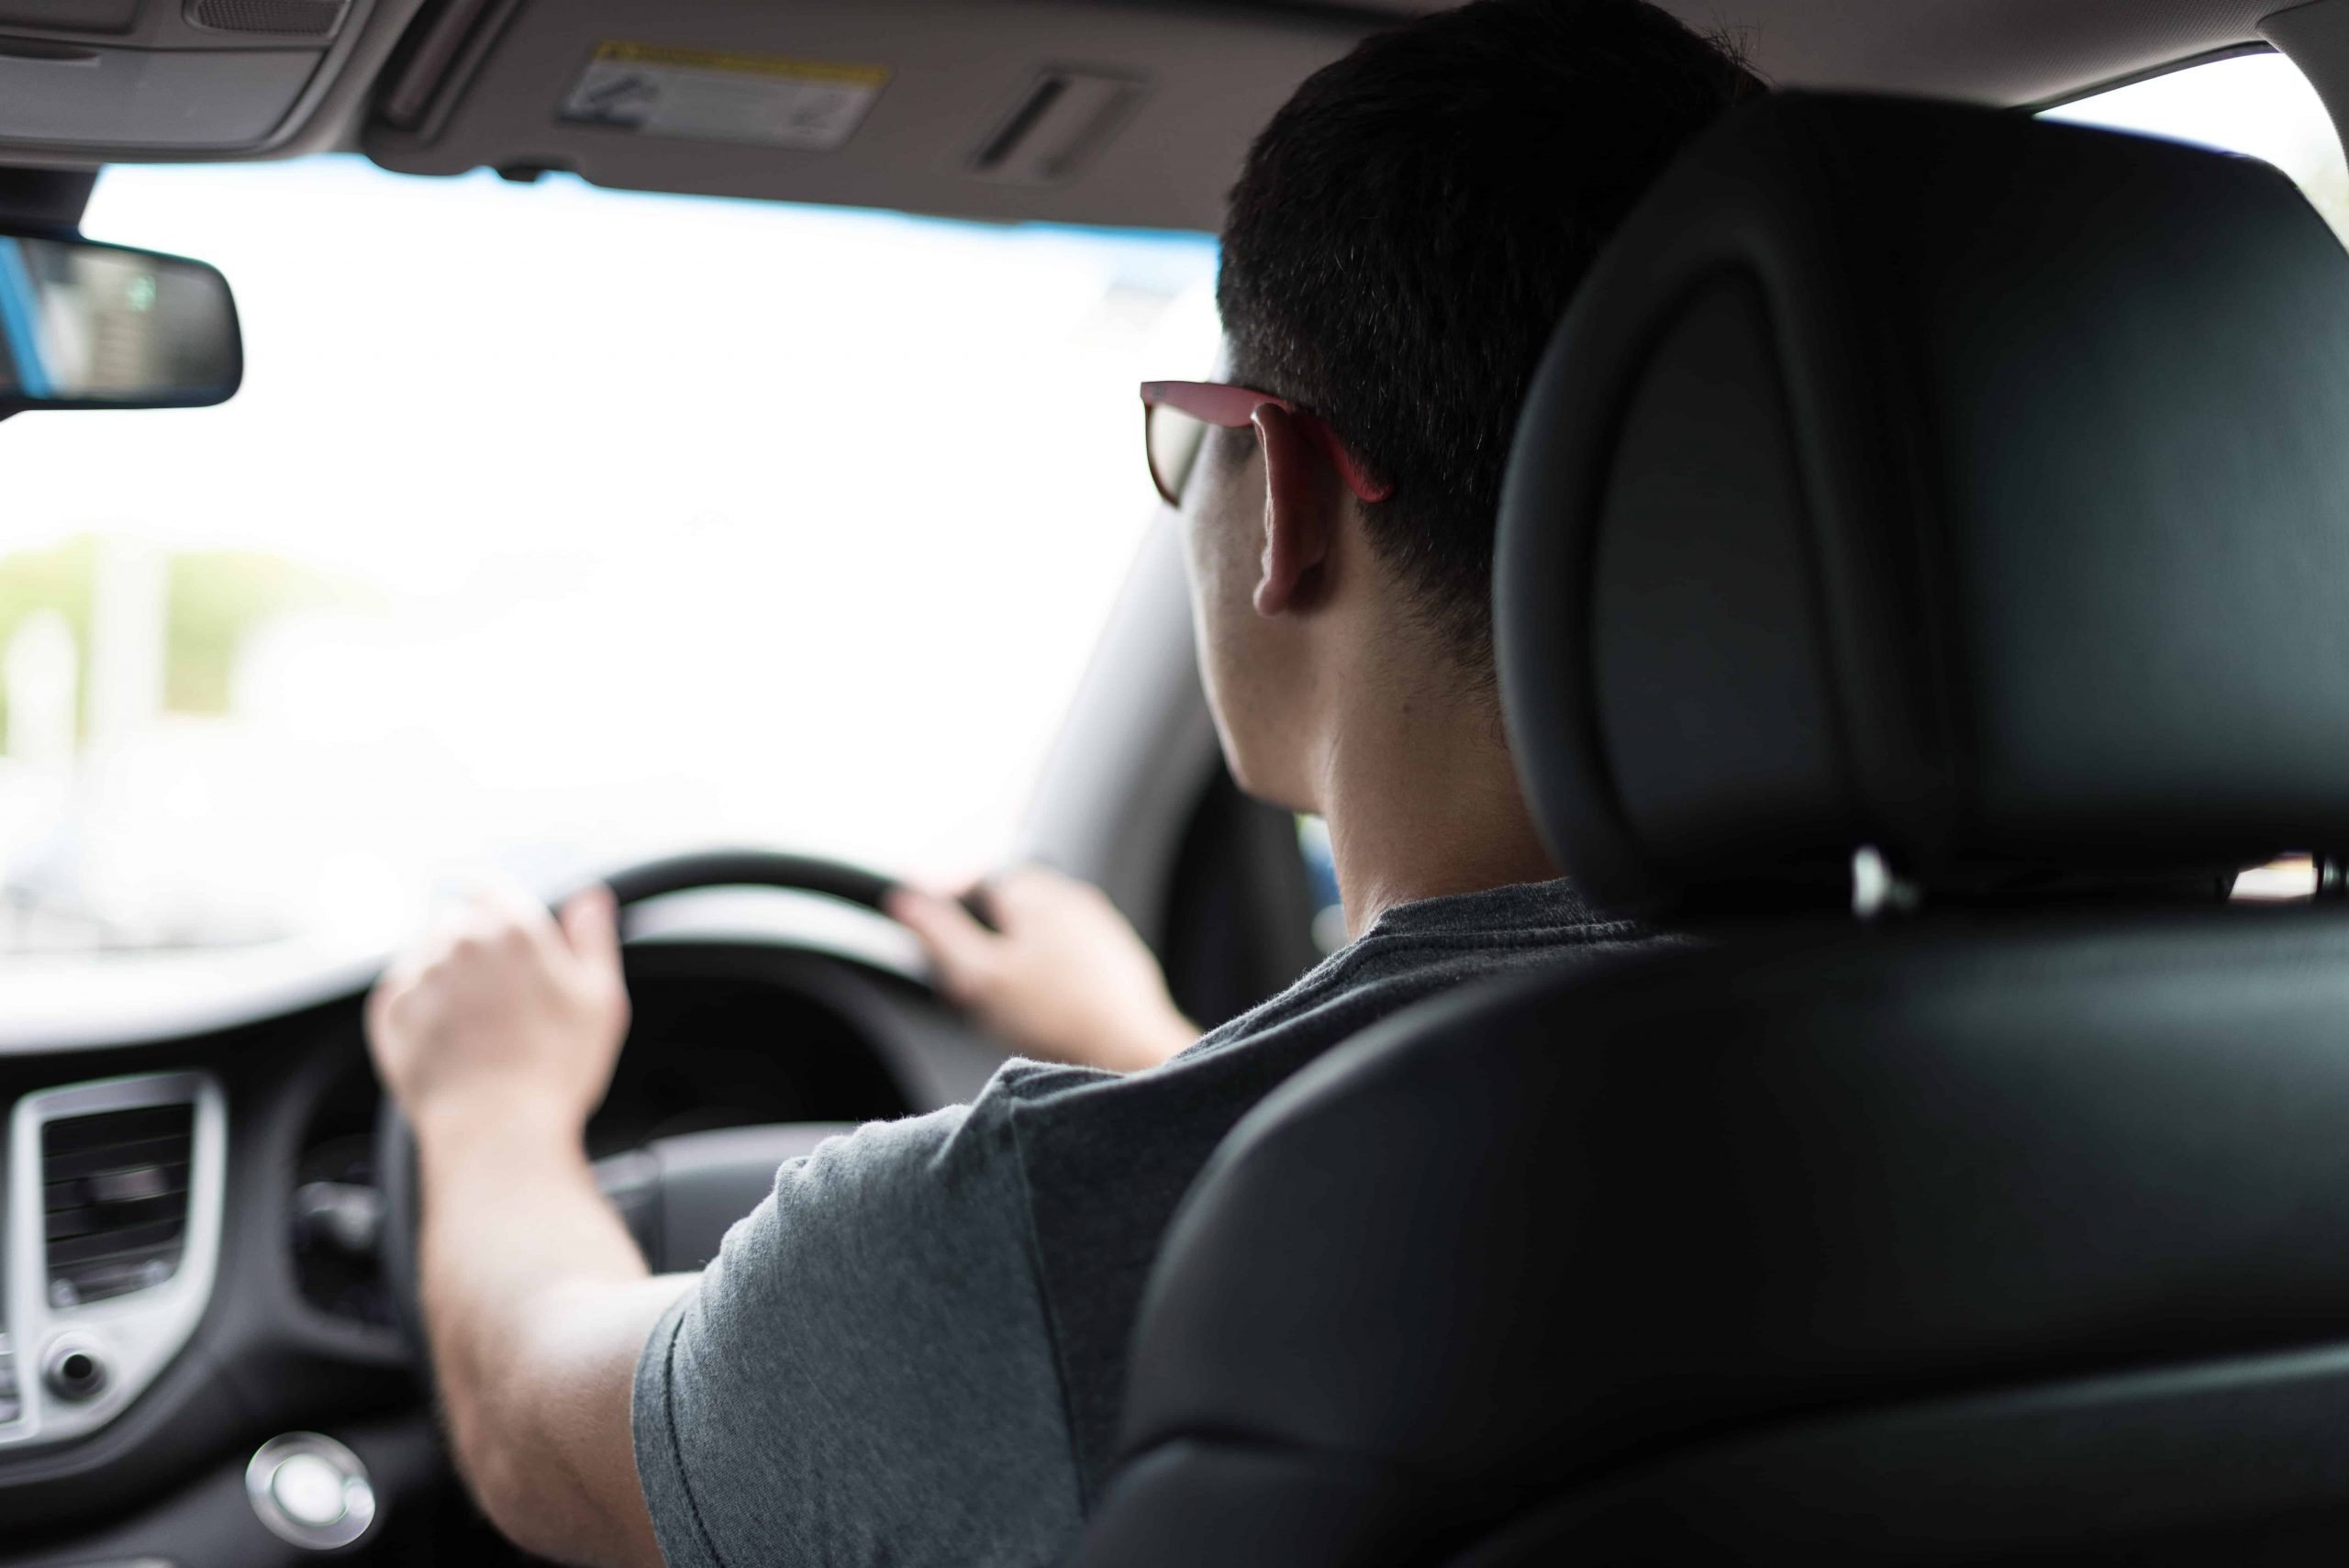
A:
x,y
683,521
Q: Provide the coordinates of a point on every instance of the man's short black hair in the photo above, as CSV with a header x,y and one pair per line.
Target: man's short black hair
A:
x,y
1408,231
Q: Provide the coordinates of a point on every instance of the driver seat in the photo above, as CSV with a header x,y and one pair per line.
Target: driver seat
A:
x,y
1924,579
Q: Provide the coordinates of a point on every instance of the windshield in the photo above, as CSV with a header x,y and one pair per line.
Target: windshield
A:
x,y
554,527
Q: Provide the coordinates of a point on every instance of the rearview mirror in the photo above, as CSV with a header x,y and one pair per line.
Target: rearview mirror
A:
x,y
85,325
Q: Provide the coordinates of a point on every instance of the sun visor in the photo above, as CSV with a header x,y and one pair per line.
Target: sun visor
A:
x,y
1018,110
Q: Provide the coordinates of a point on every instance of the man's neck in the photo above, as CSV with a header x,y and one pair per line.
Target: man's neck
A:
x,y
1422,800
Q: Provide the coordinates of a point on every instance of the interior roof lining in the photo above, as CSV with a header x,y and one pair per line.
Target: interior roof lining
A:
x,y
1900,45
2025,53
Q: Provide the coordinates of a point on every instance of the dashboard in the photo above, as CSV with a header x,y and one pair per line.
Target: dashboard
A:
x,y
201,1361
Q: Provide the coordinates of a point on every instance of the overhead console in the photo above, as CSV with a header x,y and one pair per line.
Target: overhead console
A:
x,y
84,81
1069,111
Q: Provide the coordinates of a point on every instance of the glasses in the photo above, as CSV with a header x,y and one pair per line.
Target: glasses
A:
x,y
1174,419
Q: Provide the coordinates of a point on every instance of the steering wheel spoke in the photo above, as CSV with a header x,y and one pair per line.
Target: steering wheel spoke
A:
x,y
680,1196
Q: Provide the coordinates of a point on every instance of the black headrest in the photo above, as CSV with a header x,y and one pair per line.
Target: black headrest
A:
x,y
1940,481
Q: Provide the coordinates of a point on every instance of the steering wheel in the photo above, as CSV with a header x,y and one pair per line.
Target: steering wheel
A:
x,y
677,1194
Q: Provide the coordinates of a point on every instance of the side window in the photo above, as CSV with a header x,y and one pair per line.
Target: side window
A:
x,y
1321,879
1240,908
2257,103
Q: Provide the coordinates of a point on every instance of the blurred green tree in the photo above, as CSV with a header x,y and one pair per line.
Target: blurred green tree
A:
x,y
214,599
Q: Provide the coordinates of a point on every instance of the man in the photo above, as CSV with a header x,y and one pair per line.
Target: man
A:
x,y
913,1352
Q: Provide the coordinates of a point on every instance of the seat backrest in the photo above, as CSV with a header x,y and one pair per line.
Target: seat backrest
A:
x,y
1929,507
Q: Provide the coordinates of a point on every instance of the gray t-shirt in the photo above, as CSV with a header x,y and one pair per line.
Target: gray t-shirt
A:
x,y
912,1351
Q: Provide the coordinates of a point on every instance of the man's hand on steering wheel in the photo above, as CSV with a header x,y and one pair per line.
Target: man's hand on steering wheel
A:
x,y
504,1012
1062,976
496,1038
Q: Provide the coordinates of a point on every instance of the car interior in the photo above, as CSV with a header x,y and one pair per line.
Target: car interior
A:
x,y
1921,583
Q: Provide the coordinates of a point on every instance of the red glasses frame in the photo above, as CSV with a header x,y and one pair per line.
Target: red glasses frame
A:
x,y
1234,408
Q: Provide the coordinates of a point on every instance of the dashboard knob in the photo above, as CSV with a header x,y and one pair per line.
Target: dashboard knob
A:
x,y
74,1369
340,1214
310,1490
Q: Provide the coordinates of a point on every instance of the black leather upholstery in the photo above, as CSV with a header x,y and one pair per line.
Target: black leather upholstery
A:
x,y
1906,476
1943,481
1551,1243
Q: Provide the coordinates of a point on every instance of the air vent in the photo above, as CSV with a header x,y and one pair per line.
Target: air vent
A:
x,y
283,19
113,1190
1059,124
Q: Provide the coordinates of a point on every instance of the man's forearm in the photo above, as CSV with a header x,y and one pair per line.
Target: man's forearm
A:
x,y
536,1299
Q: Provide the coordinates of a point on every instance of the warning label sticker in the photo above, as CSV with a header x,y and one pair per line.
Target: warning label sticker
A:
x,y
712,96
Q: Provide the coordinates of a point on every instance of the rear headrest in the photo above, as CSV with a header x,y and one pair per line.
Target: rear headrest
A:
x,y
1939,481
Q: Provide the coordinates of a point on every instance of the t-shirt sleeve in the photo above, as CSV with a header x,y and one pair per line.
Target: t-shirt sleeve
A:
x,y
864,1374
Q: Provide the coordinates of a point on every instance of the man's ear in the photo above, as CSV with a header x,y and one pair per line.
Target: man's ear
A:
x,y
1301,515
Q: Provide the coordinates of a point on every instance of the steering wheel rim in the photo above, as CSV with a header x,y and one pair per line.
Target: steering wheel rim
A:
x,y
396,1162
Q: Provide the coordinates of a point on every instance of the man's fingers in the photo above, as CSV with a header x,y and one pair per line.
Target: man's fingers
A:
x,y
591,924
959,946
1024,887
1026,894
508,908
379,1004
